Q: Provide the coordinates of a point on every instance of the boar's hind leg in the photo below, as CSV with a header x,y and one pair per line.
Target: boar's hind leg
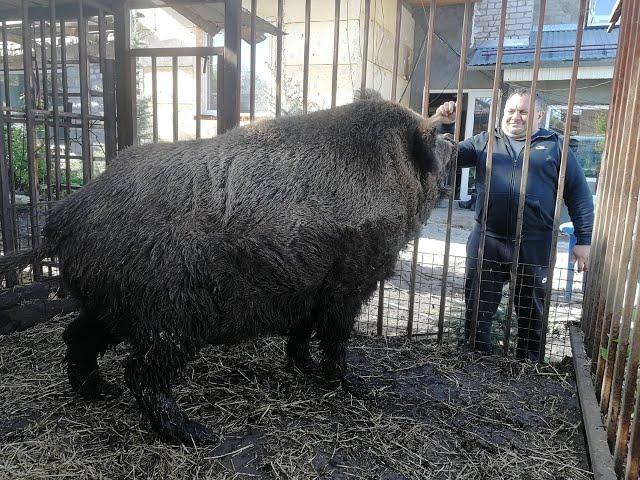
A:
x,y
86,338
149,371
335,323
298,351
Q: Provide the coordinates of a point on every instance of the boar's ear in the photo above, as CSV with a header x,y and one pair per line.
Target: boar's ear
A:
x,y
424,142
366,94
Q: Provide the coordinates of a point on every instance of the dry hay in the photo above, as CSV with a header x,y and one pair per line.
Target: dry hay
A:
x,y
431,413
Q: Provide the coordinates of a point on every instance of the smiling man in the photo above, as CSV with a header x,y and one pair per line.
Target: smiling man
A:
x,y
537,227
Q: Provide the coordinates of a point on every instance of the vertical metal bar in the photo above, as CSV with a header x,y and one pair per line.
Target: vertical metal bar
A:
x,y
619,413
425,114
174,68
102,40
562,173
252,68
396,51
495,107
365,44
336,47
34,194
606,205
198,96
279,58
108,93
525,174
45,106
111,142
231,71
629,185
65,103
125,77
305,68
83,72
220,88
7,97
632,472
6,220
54,95
427,63
461,70
154,96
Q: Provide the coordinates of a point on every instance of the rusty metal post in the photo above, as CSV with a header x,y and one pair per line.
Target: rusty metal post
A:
x,y
65,104
495,107
6,220
336,45
29,104
466,25
605,207
525,174
231,74
125,78
618,277
198,96
562,174
7,97
305,68
176,113
279,58
55,99
154,96
252,66
365,44
83,71
396,51
45,106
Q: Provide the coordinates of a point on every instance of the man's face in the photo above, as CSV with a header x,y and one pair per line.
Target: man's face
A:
x,y
516,113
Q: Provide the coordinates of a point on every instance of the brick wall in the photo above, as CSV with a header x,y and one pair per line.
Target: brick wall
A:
x,y
486,20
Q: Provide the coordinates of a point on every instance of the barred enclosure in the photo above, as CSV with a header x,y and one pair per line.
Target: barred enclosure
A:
x,y
83,79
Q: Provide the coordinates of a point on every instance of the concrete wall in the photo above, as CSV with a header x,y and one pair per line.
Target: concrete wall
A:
x,y
445,61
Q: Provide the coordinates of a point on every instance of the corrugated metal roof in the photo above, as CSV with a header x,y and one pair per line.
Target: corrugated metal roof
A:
x,y
557,46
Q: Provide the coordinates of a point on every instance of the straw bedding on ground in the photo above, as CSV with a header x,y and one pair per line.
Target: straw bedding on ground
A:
x,y
430,412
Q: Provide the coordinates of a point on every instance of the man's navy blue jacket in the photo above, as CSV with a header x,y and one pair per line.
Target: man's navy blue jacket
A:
x,y
544,169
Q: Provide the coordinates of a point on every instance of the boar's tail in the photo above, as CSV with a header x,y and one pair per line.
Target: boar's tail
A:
x,y
23,258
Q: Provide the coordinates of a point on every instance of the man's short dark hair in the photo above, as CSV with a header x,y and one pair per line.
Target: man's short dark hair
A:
x,y
525,92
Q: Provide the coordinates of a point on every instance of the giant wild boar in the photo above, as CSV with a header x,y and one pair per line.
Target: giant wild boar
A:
x,y
282,227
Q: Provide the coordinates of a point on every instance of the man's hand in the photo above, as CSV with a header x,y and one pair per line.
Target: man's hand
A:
x,y
446,113
580,255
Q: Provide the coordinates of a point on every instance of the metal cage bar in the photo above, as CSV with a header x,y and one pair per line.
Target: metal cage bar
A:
x,y
495,106
305,67
562,173
336,47
466,25
524,178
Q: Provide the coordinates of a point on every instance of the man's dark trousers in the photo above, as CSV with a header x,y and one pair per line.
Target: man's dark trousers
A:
x,y
530,285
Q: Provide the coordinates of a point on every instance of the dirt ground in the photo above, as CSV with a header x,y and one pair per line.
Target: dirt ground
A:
x,y
430,413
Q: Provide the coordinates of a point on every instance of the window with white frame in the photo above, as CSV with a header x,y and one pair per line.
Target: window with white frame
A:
x,y
599,12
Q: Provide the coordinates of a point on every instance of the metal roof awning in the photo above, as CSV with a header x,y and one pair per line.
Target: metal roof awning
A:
x,y
206,14
598,46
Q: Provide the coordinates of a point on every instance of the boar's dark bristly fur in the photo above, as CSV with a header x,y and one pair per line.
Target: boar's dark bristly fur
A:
x,y
282,227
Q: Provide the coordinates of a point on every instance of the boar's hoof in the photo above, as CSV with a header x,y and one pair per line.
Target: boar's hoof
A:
x,y
304,364
354,384
172,425
91,385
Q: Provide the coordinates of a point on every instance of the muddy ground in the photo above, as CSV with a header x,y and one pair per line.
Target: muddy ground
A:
x,y
430,412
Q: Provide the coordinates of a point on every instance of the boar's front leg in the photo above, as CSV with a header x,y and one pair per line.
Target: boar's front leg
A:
x,y
149,371
298,349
